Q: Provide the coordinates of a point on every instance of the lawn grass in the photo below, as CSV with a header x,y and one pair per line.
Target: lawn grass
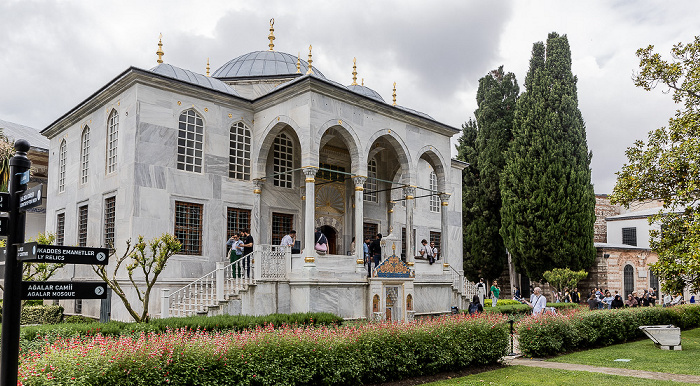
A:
x,y
644,355
523,375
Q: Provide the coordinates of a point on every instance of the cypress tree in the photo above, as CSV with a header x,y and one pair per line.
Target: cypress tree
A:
x,y
485,252
548,199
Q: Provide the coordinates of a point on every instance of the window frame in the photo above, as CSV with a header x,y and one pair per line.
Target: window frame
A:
x,y
62,154
60,228
193,232
283,145
83,218
193,162
629,236
280,225
240,145
85,155
112,141
371,184
109,221
435,197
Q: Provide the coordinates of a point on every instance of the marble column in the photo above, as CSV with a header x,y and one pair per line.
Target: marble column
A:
x,y
310,217
359,217
444,235
409,192
255,220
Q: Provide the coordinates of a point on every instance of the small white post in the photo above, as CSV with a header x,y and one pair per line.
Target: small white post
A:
x,y
220,280
164,303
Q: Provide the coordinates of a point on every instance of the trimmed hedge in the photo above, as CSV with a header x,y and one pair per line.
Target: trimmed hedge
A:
x,y
41,314
369,353
501,302
554,334
525,309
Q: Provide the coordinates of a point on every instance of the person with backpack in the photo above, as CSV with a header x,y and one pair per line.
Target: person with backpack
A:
x,y
475,306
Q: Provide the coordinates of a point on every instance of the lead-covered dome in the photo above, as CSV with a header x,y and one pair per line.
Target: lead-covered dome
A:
x,y
191,77
263,64
366,91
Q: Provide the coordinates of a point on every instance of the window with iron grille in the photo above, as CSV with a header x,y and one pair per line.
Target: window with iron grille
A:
x,y
369,230
628,280
190,142
188,227
435,239
330,174
110,212
371,185
237,220
60,228
82,225
239,152
629,236
281,224
84,155
435,198
78,306
653,282
112,134
62,166
283,160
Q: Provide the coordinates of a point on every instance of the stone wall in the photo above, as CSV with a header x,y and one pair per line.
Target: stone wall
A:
x,y
603,209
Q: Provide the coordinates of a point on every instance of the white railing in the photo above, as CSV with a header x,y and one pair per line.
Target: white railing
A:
x,y
210,289
463,286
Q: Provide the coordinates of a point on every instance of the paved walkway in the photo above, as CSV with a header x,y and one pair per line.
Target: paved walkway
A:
x,y
604,370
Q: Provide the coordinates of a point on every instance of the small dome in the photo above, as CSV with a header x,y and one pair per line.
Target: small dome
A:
x,y
366,91
190,77
263,63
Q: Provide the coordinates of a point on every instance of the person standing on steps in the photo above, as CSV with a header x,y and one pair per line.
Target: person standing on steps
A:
x,y
495,292
247,249
375,250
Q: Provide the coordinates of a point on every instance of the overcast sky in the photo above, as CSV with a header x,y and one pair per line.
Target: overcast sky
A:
x,y
54,54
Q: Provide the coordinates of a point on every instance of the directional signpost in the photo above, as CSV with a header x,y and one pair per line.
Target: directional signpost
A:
x,y
17,252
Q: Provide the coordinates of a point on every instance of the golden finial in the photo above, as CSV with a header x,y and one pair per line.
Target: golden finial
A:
x,y
298,63
394,95
393,247
272,35
160,49
363,81
207,66
310,71
354,72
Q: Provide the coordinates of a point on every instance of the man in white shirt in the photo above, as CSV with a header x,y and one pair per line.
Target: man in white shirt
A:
x,y
288,239
537,301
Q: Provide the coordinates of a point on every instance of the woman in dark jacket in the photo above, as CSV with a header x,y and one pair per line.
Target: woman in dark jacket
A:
x,y
617,302
475,306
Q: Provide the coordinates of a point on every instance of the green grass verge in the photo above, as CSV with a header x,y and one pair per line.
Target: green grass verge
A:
x,y
523,375
644,355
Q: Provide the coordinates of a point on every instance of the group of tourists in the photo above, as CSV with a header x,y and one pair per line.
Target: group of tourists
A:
x,y
240,244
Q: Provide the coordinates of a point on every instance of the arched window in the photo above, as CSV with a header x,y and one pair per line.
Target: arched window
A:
x,y
653,281
84,155
371,183
629,280
190,142
239,152
112,134
62,167
435,198
283,161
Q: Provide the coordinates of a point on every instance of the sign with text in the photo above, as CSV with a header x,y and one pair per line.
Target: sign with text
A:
x,y
32,290
26,251
4,202
30,197
67,255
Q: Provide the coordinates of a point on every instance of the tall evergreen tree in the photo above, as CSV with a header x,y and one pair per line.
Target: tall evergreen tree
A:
x,y
485,252
548,199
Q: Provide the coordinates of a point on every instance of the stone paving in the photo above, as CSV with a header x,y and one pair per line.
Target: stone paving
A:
x,y
604,370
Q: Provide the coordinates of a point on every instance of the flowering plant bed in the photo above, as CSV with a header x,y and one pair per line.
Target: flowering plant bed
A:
x,y
548,335
363,353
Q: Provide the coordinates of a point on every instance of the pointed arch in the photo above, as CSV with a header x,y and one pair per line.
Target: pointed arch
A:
x,y
399,147
349,137
275,127
437,161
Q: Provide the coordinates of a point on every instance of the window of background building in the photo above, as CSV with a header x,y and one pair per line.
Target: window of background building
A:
x,y
62,166
237,220
370,192
82,225
331,175
188,227
281,224
283,161
84,155
369,230
109,217
239,152
60,228
435,238
78,306
112,134
435,198
628,280
629,236
190,142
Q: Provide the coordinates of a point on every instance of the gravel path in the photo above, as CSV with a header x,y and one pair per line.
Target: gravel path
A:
x,y
604,370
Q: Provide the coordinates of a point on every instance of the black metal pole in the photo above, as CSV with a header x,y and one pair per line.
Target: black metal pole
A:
x,y
512,335
12,302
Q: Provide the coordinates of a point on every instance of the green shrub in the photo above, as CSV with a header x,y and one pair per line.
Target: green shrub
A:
x,y
553,334
78,319
519,308
41,314
501,302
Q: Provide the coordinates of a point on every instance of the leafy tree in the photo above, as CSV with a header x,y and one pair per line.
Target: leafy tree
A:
x,y
147,258
559,278
667,166
7,150
484,251
548,200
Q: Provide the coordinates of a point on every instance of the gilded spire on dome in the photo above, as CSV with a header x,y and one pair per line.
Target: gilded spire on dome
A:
x,y
310,71
363,81
354,72
298,63
272,35
160,49
207,66
394,95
